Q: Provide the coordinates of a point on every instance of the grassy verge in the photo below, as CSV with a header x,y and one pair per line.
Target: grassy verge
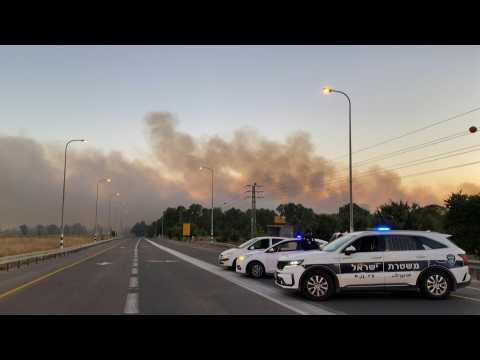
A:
x,y
25,244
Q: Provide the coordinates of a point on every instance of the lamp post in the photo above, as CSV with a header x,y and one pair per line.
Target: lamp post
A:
x,y
328,90
211,224
63,191
108,180
110,210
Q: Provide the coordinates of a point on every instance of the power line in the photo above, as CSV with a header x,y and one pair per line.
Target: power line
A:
x,y
411,148
417,162
410,133
431,171
426,160
403,151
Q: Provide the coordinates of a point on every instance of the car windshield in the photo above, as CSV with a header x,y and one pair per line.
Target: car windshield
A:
x,y
247,243
334,245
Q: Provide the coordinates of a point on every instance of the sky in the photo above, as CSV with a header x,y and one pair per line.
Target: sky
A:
x,y
105,94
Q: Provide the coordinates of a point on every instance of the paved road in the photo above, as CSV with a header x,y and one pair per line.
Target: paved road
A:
x,y
139,276
464,301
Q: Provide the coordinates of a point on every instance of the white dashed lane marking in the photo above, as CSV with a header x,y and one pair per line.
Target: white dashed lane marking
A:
x,y
131,304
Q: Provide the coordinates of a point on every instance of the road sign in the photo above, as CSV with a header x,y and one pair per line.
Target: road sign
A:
x,y
279,220
186,229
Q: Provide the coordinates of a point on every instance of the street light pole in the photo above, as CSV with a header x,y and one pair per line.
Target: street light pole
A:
x,y
108,180
63,191
110,211
328,90
211,222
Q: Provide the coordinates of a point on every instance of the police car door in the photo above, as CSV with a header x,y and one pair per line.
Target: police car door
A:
x,y
404,260
284,248
364,267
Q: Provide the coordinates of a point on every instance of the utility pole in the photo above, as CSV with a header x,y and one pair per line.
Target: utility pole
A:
x,y
254,196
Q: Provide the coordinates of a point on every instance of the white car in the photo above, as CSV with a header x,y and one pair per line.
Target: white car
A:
x,y
257,264
378,260
321,242
228,257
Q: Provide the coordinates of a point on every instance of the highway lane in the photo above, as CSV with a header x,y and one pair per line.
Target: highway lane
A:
x,y
118,279
169,285
96,285
462,302
17,276
170,277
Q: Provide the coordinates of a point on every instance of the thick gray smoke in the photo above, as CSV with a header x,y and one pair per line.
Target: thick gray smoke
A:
x,y
31,177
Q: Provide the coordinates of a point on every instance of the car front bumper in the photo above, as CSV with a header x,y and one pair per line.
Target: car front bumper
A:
x,y
224,261
241,267
289,277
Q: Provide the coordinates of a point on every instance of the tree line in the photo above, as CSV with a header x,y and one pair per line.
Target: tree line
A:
x,y
459,216
44,230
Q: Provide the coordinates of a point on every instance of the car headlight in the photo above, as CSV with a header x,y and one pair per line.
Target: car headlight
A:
x,y
243,257
294,262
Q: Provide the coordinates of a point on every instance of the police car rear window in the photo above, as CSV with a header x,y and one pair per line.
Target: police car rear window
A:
x,y
411,243
429,244
401,243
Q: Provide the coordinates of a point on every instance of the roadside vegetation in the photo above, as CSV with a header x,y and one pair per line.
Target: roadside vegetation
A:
x,y
19,244
26,239
459,216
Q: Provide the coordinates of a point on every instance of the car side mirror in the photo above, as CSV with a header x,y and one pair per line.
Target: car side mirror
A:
x,y
271,250
251,247
350,250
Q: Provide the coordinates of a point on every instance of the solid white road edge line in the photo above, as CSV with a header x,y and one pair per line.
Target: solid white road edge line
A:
x,y
233,278
465,297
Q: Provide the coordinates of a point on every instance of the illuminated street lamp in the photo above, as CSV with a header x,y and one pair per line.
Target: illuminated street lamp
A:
x,y
108,180
327,90
211,222
63,191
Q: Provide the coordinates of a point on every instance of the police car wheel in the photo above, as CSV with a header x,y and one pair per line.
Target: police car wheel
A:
x,y
317,286
436,284
256,270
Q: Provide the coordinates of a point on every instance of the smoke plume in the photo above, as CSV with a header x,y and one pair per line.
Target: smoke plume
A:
x,y
31,176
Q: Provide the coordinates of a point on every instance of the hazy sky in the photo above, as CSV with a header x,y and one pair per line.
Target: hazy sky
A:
x,y
103,93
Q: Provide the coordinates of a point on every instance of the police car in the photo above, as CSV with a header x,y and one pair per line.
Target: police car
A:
x,y
228,258
257,264
381,259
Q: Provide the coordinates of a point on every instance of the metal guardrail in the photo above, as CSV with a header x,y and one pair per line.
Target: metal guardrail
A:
x,y
8,262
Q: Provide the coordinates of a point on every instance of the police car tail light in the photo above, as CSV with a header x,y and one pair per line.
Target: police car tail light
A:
x,y
464,258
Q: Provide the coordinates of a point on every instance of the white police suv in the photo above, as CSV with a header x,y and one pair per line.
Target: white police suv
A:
x,y
257,264
381,259
228,258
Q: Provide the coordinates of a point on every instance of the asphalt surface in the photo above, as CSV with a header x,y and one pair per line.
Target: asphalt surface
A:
x,y
164,277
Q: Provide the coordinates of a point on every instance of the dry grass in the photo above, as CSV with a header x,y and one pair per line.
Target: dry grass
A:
x,y
13,245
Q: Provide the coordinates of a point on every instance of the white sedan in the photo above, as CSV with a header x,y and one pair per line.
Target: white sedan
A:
x,y
257,264
228,258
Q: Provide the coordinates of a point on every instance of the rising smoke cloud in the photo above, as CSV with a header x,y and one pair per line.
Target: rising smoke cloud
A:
x,y
31,176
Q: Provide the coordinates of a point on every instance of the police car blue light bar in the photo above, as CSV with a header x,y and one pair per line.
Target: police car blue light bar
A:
x,y
383,228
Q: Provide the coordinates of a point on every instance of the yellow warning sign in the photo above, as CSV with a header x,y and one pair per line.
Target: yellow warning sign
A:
x,y
279,220
186,229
